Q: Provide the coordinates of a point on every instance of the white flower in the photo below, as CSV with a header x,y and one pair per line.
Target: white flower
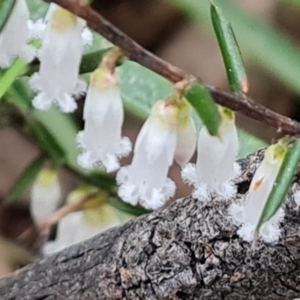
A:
x,y
81,225
45,195
160,140
101,141
248,214
215,167
57,81
14,36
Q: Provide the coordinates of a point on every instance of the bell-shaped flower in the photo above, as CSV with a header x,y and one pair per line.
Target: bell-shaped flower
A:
x,y
45,195
78,226
57,81
215,168
14,36
249,213
168,133
101,140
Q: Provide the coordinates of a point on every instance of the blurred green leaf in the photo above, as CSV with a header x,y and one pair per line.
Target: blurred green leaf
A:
x,y
296,3
59,125
248,143
141,88
127,208
282,184
63,129
264,45
201,100
6,7
37,8
26,179
91,60
230,51
18,68
47,142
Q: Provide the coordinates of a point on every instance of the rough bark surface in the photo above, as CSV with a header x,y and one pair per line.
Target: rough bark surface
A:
x,y
188,250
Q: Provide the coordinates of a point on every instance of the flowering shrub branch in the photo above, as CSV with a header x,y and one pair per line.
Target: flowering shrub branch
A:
x,y
135,52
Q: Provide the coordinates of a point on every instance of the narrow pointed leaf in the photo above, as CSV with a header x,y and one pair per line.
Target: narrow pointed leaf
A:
x,y
26,179
206,108
230,51
6,7
7,78
283,182
127,208
90,61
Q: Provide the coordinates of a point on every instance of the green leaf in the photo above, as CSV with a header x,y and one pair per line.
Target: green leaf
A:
x,y
7,78
201,100
249,143
26,179
37,8
282,183
141,88
63,129
90,61
6,7
47,142
59,125
230,51
125,207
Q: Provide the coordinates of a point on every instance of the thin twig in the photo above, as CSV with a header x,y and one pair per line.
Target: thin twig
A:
x,y
44,228
135,52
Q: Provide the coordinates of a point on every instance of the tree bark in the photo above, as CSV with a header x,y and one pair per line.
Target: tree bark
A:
x,y
187,250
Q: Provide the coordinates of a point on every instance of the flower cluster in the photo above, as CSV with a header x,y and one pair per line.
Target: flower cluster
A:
x,y
168,134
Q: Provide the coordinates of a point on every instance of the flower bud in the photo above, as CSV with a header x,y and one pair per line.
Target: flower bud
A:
x,y
45,195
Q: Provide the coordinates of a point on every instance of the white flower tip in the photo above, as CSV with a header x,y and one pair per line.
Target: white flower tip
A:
x,y
125,147
110,163
156,200
150,199
80,88
41,102
269,232
236,211
36,29
122,175
127,192
188,174
202,193
237,170
66,103
87,37
227,190
169,189
85,160
246,232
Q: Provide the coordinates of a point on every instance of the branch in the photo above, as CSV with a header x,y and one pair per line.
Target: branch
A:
x,y
135,52
188,250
